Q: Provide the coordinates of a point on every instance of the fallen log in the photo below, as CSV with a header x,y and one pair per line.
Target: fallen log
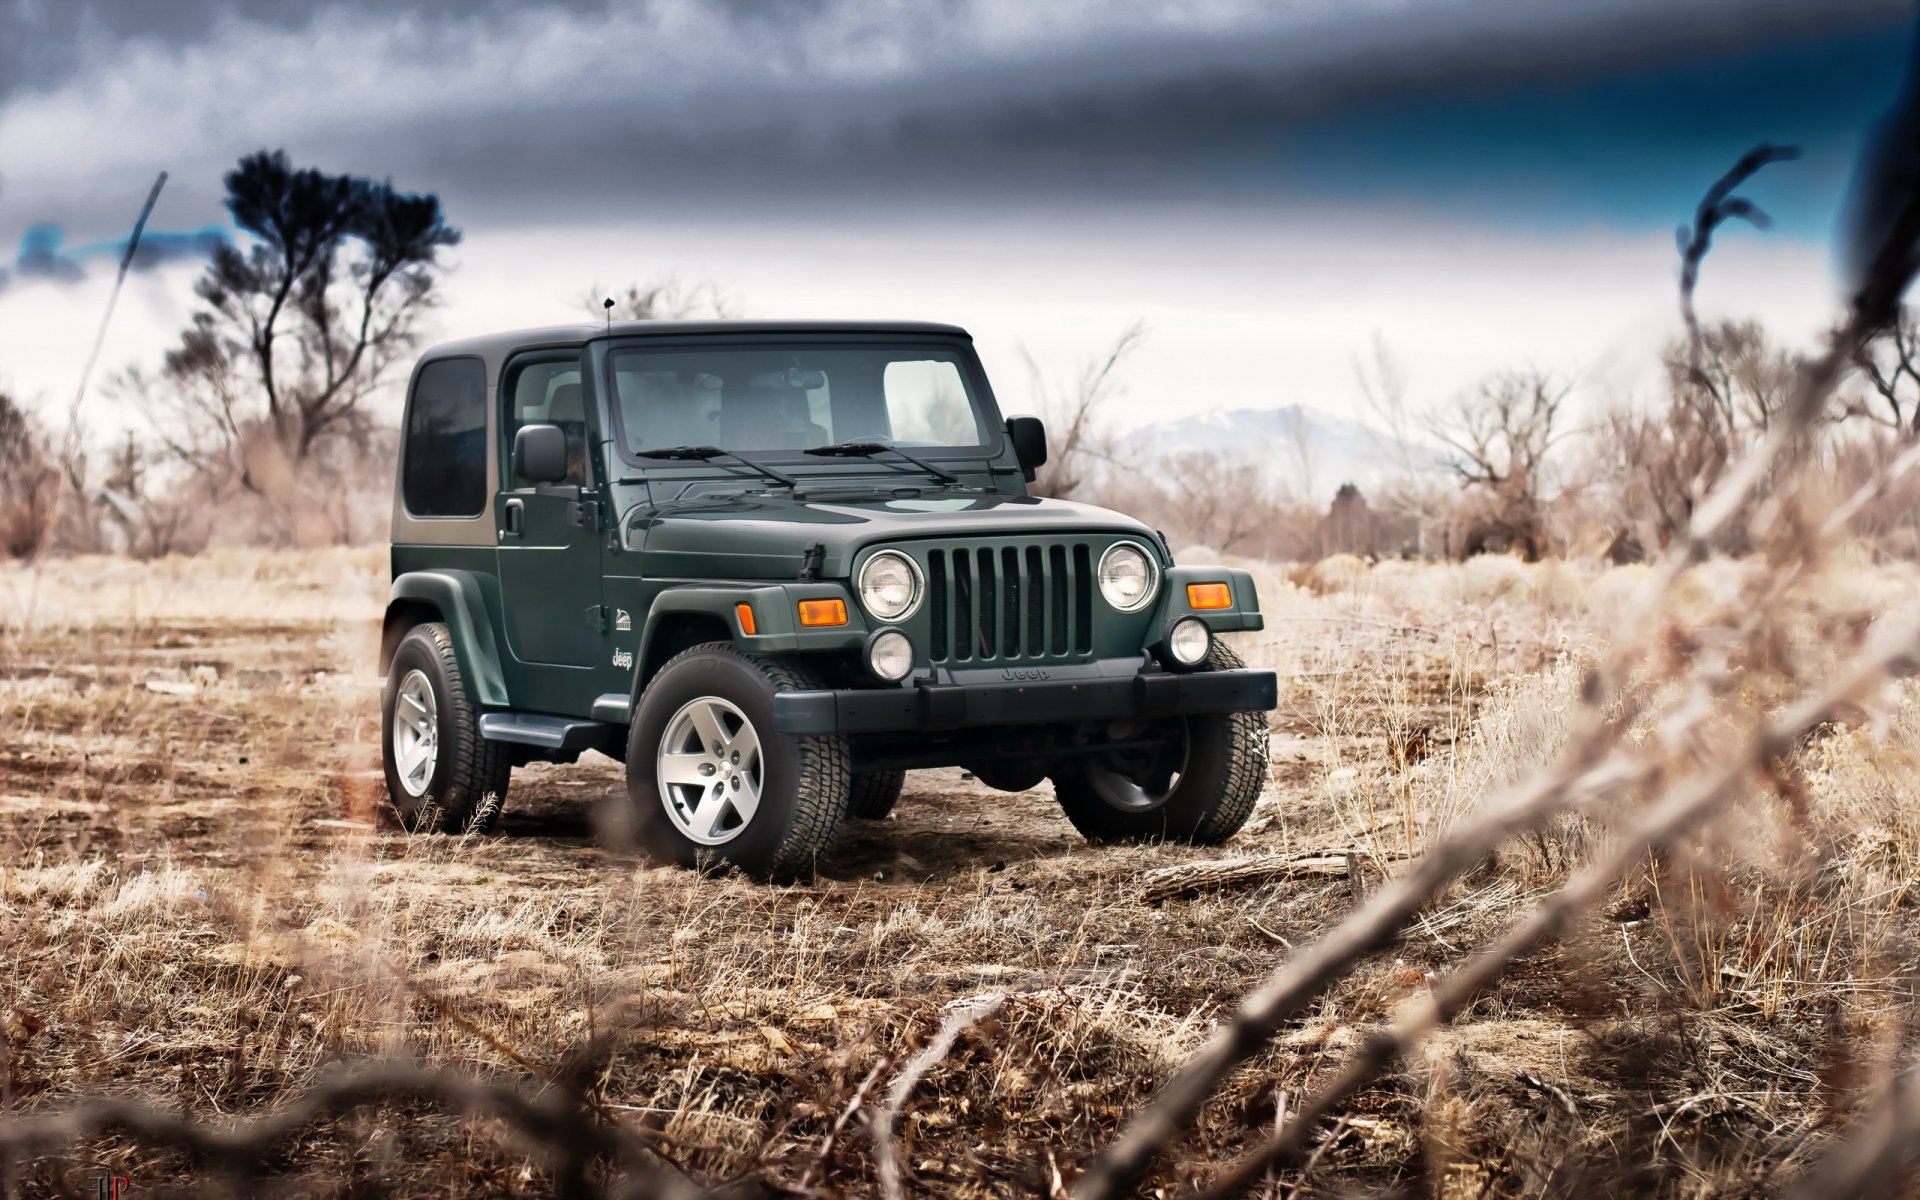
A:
x,y
1184,879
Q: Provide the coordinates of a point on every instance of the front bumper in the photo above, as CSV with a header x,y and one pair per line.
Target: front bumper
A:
x,y
927,705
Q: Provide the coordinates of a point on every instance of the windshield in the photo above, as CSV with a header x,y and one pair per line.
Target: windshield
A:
x,y
795,398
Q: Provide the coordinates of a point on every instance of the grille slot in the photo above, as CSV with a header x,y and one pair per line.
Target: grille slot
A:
x,y
1009,603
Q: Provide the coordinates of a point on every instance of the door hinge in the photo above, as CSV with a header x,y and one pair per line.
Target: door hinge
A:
x,y
585,514
597,618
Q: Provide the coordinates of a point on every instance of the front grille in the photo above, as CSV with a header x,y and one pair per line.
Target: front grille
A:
x,y
998,603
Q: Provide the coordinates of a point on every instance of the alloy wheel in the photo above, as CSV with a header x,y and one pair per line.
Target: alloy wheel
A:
x,y
710,770
416,733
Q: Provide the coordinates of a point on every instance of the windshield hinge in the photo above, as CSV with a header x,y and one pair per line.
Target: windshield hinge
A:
x,y
811,560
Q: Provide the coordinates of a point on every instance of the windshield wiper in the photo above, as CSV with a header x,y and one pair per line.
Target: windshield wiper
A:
x,y
708,453
869,449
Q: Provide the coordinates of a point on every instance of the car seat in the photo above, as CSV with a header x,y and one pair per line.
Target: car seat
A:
x,y
567,409
768,419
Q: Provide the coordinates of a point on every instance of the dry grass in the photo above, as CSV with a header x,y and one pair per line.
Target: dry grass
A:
x,y
200,907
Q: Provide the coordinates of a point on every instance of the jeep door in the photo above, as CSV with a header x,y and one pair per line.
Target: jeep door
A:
x,y
549,537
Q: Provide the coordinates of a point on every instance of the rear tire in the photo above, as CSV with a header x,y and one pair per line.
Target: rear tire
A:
x,y
874,794
710,780
1202,792
442,776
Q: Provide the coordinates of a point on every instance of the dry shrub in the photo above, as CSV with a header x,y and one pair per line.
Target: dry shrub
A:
x,y
257,947
1519,727
1336,573
1485,578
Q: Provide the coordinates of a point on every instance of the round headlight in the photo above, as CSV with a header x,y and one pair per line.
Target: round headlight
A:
x,y
1127,577
889,585
1189,641
890,655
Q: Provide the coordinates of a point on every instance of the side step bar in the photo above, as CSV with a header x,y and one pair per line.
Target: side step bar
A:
x,y
547,732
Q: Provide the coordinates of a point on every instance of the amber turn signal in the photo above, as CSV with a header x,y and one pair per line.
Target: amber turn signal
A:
x,y
1202,596
814,613
744,611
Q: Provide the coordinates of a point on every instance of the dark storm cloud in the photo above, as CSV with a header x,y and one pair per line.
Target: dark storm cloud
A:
x,y
768,110
44,41
1214,114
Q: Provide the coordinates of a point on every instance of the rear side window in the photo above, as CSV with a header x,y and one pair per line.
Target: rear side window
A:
x,y
445,469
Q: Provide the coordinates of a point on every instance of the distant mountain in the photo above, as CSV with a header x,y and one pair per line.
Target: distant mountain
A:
x,y
1336,449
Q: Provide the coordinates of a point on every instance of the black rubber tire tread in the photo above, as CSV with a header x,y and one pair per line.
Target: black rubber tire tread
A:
x,y
874,794
1209,806
822,775
469,785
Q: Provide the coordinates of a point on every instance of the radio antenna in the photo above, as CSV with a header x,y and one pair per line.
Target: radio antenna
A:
x,y
608,305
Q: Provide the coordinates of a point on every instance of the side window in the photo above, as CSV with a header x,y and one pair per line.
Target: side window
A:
x,y
546,393
444,471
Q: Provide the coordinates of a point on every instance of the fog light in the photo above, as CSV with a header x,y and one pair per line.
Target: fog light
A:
x,y
1189,642
890,655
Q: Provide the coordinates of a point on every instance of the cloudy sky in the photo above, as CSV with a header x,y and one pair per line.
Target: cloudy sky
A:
x,y
1269,184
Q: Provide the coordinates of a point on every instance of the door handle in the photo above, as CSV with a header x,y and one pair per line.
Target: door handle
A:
x,y
515,518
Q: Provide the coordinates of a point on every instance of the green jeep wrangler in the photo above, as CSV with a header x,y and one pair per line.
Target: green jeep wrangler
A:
x,y
773,566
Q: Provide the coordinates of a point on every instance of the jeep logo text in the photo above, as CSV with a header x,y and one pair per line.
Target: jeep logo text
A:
x,y
1022,674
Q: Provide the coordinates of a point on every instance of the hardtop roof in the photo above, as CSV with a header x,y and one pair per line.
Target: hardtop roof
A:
x,y
494,346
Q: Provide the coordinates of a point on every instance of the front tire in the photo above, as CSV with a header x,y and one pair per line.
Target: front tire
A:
x,y
710,779
1201,789
442,776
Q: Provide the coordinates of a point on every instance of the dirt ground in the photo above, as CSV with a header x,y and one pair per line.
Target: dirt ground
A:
x,y
202,906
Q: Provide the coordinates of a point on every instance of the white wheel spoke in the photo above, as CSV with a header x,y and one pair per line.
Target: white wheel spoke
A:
x,y
746,800
706,816
415,710
685,768
745,744
706,721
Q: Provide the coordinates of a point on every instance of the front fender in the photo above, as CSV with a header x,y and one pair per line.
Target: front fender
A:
x,y
776,621
462,606
1242,616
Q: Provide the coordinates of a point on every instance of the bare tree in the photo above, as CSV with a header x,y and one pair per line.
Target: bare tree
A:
x,y
29,481
1500,435
1414,495
1216,500
668,299
1891,367
301,326
1297,448
1727,384
1079,437
1734,371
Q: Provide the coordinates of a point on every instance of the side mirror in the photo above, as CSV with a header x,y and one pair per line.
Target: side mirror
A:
x,y
540,454
1029,438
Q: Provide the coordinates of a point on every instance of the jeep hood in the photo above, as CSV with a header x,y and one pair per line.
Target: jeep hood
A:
x,y
765,535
